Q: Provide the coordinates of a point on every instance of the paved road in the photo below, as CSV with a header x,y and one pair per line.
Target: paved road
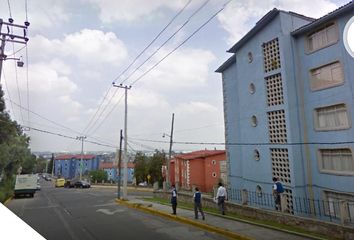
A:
x,y
88,214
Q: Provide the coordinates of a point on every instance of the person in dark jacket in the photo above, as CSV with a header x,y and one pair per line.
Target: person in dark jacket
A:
x,y
198,203
174,199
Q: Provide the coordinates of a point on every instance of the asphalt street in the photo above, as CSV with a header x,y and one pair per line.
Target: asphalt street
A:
x,y
60,213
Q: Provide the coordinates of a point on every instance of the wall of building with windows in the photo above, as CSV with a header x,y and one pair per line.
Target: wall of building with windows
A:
x,y
326,74
290,88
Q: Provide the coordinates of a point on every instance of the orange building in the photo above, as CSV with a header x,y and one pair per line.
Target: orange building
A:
x,y
203,169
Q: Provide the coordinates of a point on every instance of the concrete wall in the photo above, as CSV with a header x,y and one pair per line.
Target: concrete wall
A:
x,y
308,224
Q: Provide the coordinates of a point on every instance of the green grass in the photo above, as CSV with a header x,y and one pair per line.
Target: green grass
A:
x,y
235,216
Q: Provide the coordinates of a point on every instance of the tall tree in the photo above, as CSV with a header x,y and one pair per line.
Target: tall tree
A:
x,y
155,166
141,167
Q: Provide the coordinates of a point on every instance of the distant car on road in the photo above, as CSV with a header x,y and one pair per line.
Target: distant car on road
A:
x,y
82,184
70,183
38,187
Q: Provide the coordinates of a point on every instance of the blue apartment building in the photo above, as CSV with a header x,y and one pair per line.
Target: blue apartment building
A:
x,y
68,165
288,93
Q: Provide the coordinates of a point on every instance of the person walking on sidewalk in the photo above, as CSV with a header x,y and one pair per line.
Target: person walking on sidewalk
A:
x,y
174,199
221,195
278,189
198,203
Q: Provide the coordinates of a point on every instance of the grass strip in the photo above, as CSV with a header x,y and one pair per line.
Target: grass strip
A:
x,y
237,217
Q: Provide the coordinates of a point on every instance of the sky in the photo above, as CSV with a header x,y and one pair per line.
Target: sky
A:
x,y
76,49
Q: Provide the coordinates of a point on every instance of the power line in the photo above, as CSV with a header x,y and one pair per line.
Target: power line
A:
x,y
135,59
105,118
158,35
247,144
69,137
190,36
174,34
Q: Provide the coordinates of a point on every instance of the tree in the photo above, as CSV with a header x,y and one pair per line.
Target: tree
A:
x,y
155,166
98,175
14,144
141,167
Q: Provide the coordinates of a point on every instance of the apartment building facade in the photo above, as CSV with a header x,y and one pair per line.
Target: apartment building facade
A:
x,y
289,106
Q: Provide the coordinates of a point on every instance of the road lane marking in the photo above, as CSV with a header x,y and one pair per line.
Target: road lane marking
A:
x,y
108,211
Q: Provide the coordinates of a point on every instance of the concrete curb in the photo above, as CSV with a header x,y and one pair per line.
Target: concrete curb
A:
x,y
260,225
129,188
184,220
7,201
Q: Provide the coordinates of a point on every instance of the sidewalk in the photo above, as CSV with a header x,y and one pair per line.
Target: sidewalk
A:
x,y
224,225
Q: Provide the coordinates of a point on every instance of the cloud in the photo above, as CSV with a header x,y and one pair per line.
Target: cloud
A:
x,y
132,10
88,46
195,107
240,16
185,68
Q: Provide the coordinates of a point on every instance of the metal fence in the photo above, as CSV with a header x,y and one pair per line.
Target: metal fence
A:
x,y
322,209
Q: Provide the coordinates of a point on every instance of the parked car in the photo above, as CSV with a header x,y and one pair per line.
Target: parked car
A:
x,y
70,183
60,182
82,184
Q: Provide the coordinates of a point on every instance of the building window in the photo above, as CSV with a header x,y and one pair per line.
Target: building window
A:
x,y
336,160
250,57
326,76
274,90
331,118
213,162
323,37
271,55
254,121
256,155
332,201
252,88
259,191
277,127
214,174
280,164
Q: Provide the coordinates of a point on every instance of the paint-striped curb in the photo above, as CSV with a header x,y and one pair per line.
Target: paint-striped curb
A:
x,y
205,226
7,201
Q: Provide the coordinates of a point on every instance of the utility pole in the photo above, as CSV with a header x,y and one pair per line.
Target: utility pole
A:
x,y
125,155
82,138
170,150
9,36
169,153
119,162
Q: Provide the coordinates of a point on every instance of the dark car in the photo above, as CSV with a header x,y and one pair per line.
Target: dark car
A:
x,y
70,183
82,184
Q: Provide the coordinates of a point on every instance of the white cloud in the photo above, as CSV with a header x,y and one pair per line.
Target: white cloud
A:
x,y
195,108
131,10
240,16
185,68
87,46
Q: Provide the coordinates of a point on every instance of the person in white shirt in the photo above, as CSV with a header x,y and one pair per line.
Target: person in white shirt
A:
x,y
221,195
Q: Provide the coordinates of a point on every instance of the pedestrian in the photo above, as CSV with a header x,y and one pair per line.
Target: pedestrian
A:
x,y
221,195
278,189
198,203
174,199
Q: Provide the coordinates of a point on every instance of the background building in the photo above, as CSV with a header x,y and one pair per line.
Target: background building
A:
x,y
112,171
68,165
289,105
203,169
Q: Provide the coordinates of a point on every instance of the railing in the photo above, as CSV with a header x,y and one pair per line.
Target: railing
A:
x,y
334,211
